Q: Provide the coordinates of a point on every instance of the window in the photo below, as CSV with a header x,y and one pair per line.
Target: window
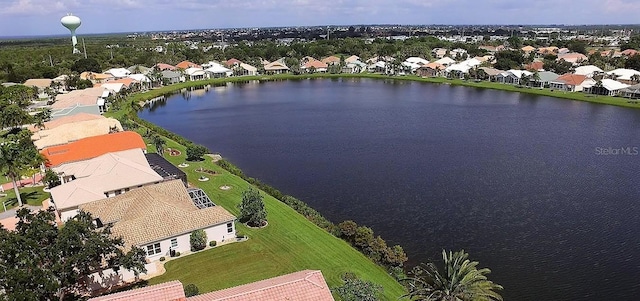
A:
x,y
153,249
229,227
174,243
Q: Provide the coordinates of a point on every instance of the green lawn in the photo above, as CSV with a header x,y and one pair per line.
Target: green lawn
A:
x,y
30,195
289,243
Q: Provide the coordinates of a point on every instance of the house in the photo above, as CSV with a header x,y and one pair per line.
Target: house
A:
x,y
512,76
331,60
165,169
195,73
354,67
352,59
113,88
163,67
245,69
573,57
96,77
159,218
458,70
570,82
65,120
215,70
632,92
544,79
588,71
627,76
534,66
41,84
548,50
91,100
312,66
528,49
563,51
118,72
139,69
439,52
232,62
172,77
306,285
92,147
606,86
446,61
276,67
492,73
458,53
74,131
142,79
417,60
94,179
184,65
629,52
430,70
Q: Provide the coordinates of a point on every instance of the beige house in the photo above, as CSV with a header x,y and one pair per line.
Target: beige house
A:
x,y
107,176
73,131
160,218
277,67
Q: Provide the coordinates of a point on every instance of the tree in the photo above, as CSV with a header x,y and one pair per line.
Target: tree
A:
x,y
42,117
191,290
348,230
459,280
14,159
633,62
252,209
515,42
159,143
88,64
43,262
51,179
355,289
364,235
198,240
195,152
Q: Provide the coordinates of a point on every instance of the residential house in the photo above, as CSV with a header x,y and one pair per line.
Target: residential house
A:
x,y
352,59
113,88
74,131
172,77
513,77
563,51
41,84
588,71
528,49
446,61
139,69
331,60
430,70
246,69
627,76
215,70
118,72
312,66
91,100
276,67
96,77
354,67
573,57
306,285
92,147
159,218
570,82
233,62
65,120
544,79
194,73
458,54
142,80
632,92
548,50
534,66
163,67
460,69
184,65
439,52
491,73
94,179
605,86
629,52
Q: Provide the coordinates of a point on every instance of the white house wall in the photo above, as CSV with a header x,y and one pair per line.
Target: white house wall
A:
x,y
217,233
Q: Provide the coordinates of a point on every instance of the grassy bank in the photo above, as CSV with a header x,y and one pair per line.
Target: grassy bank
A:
x,y
289,243
33,196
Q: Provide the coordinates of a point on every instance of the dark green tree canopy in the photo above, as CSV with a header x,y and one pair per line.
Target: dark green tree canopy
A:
x,y
356,289
43,262
252,209
195,152
88,64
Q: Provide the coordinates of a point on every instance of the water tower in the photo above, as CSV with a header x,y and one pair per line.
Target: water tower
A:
x,y
72,23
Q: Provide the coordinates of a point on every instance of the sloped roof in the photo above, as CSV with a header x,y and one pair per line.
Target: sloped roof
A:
x,y
118,72
352,59
331,59
491,71
67,119
610,84
38,82
535,66
248,67
74,131
194,71
307,285
587,70
186,65
417,60
629,52
127,81
315,64
571,79
528,48
624,74
168,291
95,76
445,61
139,69
276,65
78,97
111,86
162,67
155,212
92,147
94,177
232,62
170,74
547,76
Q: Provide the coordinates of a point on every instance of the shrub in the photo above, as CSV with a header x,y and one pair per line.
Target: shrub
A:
x,y
195,152
177,254
162,258
252,208
212,243
198,240
239,235
191,290
51,178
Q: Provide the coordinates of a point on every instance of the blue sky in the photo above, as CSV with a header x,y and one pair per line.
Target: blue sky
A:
x,y
42,17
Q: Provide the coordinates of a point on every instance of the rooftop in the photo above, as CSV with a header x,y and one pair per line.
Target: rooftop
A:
x,y
168,291
69,132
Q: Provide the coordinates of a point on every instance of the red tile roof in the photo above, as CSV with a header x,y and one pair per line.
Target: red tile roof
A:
x,y
232,62
315,64
162,67
92,147
187,65
126,81
534,66
571,79
305,285
629,52
168,291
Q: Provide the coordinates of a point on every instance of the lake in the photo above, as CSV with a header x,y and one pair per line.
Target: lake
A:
x,y
543,191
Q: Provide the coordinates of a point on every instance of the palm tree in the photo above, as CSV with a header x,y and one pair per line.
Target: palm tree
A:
x,y
459,281
13,160
159,143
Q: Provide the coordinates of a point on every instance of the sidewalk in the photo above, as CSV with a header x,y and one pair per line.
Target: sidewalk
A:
x,y
21,183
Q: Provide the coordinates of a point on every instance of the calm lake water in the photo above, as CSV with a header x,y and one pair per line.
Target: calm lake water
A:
x,y
535,188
